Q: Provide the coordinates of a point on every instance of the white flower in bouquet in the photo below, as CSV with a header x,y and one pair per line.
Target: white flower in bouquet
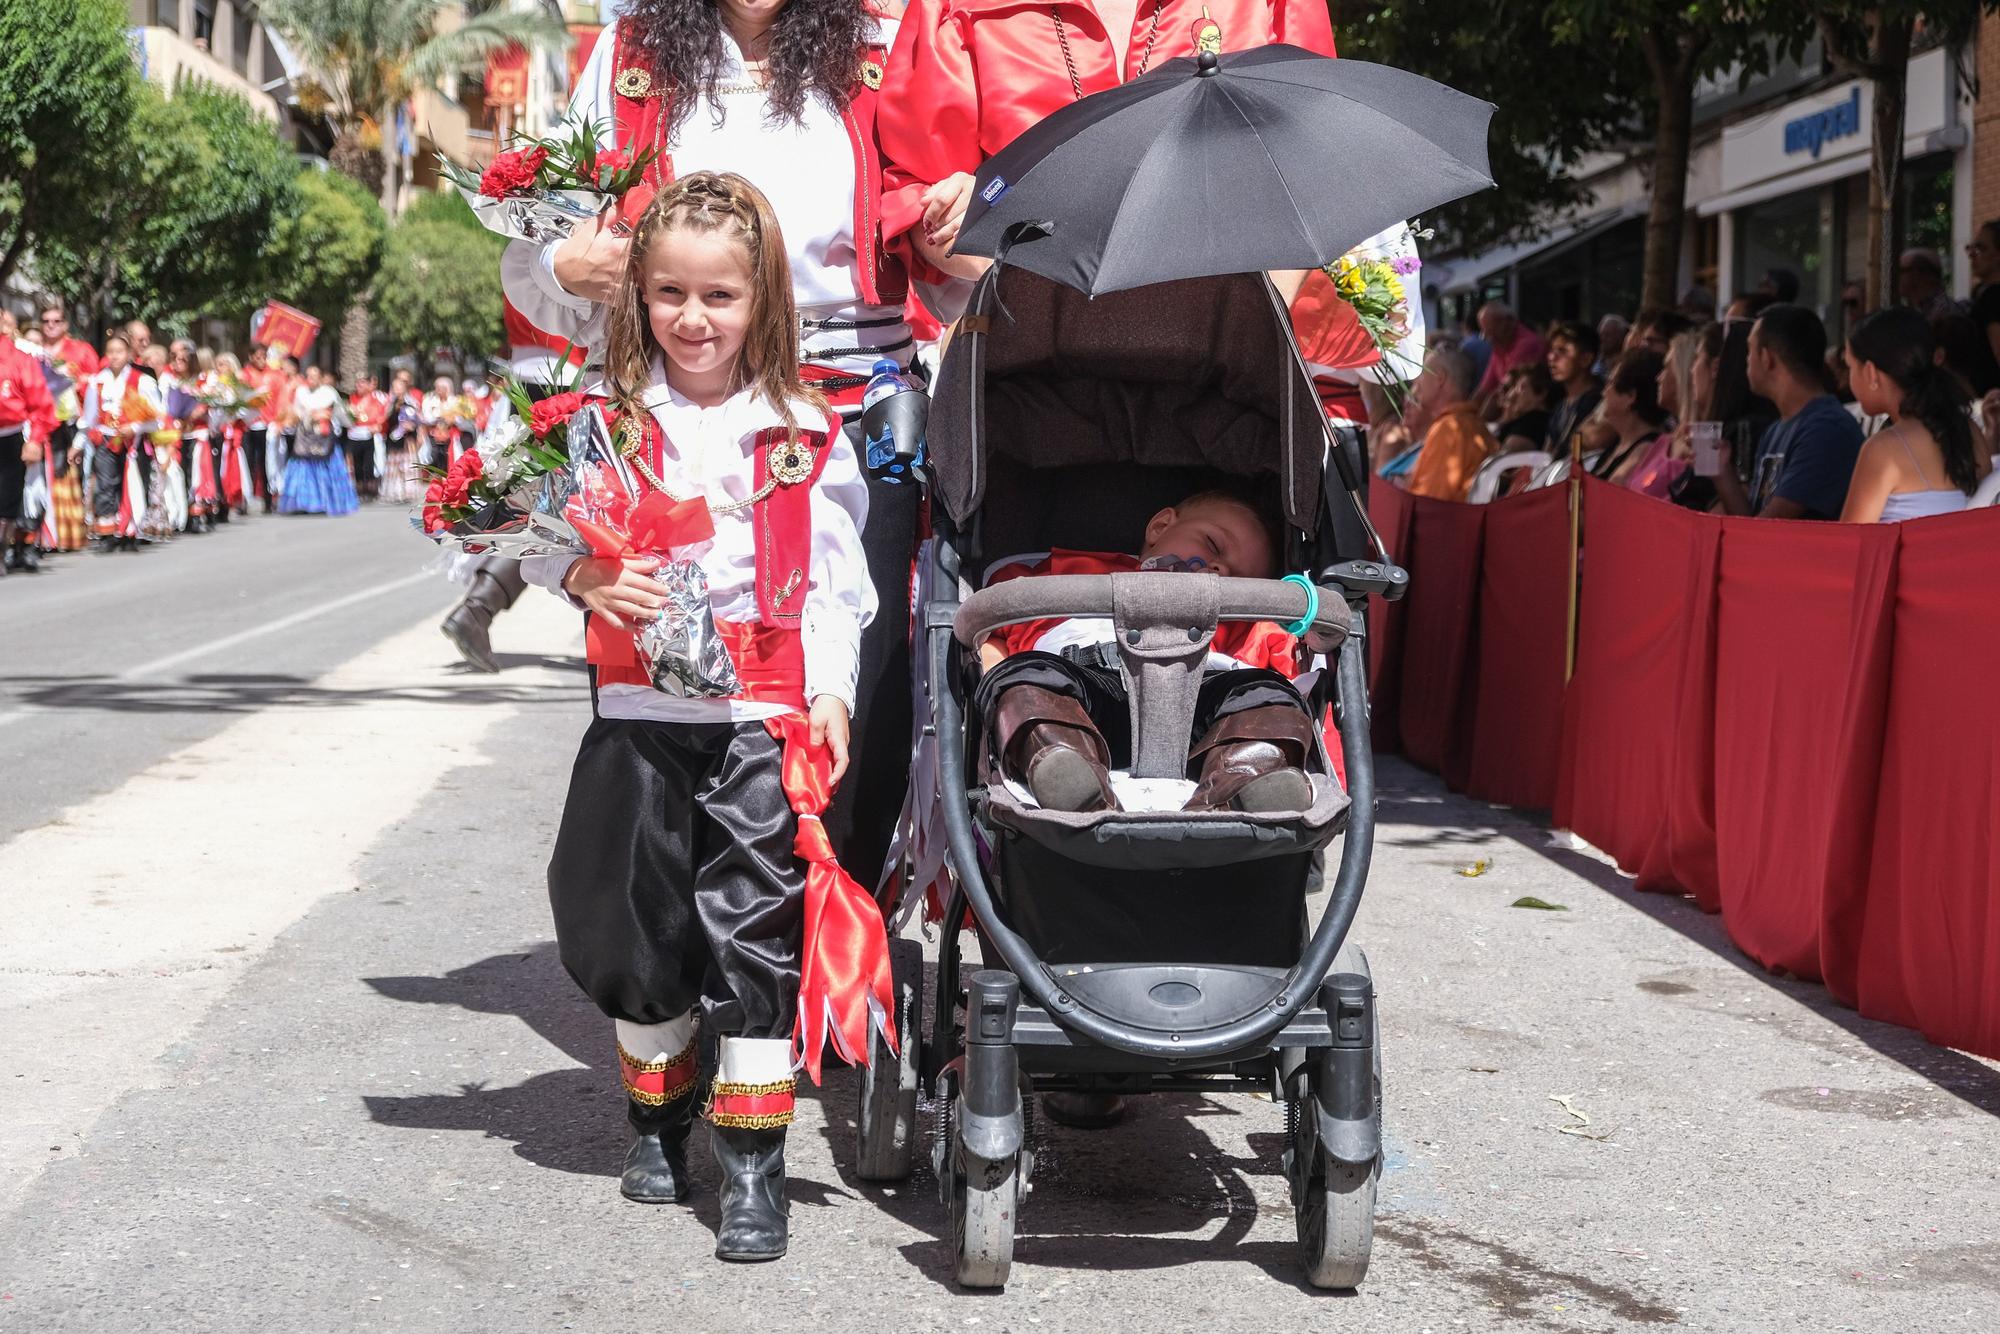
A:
x,y
541,188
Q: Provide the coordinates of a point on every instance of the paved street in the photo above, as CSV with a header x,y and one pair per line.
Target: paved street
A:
x,y
288,1047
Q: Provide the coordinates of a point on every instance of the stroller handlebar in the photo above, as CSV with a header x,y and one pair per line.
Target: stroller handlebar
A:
x,y
1064,596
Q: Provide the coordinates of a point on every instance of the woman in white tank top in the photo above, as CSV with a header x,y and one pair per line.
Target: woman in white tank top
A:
x,y
1928,459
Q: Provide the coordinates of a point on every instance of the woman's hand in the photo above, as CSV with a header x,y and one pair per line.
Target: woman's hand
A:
x,y
31,453
937,230
829,728
590,261
1682,443
619,590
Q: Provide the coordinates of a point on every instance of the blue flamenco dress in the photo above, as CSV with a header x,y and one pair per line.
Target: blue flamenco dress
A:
x,y
316,479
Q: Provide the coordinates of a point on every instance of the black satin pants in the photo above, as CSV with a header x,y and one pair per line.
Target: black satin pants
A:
x,y
674,883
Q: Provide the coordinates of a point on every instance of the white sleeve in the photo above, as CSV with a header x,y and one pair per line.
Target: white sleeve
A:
x,y
549,572
527,270
840,599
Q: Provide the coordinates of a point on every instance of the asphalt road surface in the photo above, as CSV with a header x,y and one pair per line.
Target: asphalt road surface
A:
x,y
288,1047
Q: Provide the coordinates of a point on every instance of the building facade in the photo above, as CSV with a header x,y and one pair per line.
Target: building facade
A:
x,y
1777,180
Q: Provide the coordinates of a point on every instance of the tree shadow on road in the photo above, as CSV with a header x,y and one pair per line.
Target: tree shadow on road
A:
x,y
245,693
1955,1073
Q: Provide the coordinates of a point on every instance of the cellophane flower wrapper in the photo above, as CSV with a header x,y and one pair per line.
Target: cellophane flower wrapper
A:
x,y
586,508
539,216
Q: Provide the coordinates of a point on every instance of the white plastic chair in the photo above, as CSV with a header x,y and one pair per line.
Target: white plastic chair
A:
x,y
1988,492
1556,473
1487,481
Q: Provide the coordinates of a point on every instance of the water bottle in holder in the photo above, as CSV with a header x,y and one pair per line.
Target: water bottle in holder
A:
x,y
893,416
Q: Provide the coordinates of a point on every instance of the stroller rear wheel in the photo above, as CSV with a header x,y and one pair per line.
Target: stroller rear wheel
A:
x,y
886,1119
1333,1202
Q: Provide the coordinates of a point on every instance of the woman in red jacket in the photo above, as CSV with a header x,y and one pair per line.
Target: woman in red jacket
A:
x,y
967,76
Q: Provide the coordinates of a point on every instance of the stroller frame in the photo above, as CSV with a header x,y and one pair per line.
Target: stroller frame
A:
x,y
1307,1035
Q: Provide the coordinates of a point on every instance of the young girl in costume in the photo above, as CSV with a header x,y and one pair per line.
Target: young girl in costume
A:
x,y
680,878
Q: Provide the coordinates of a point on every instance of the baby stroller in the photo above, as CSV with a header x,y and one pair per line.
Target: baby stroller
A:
x,y
1136,952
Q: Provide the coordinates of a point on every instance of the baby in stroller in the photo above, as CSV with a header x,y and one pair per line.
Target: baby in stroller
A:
x,y
1056,709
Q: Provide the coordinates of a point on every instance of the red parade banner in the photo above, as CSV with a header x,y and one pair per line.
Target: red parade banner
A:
x,y
507,77
284,328
584,40
1790,722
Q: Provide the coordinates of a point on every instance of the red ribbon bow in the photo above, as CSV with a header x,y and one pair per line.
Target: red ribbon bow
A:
x,y
844,980
656,524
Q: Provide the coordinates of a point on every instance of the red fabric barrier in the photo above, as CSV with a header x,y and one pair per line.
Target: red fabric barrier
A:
x,y
1795,723
1391,511
1799,685
1517,688
1928,933
1622,713
1438,635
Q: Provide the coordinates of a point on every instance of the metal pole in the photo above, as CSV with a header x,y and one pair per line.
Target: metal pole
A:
x,y
1575,547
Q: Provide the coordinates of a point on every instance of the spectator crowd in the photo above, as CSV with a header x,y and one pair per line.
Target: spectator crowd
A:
x,y
1751,413
129,443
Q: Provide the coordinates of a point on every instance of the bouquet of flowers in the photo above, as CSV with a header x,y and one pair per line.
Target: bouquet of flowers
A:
x,y
555,483
1377,279
540,189
226,395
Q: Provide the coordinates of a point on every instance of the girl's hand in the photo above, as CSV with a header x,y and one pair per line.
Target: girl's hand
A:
x,y
590,262
618,590
829,729
1682,443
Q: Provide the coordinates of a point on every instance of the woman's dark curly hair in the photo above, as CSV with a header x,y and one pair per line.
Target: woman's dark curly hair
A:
x,y
815,48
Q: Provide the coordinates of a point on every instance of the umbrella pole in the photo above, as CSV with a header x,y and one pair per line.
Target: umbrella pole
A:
x,y
1575,549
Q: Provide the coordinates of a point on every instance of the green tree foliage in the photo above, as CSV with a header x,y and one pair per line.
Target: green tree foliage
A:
x,y
1679,42
1872,39
439,288
1556,102
446,207
328,248
202,185
67,88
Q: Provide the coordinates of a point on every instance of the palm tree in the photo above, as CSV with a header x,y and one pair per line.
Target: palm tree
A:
x,y
365,58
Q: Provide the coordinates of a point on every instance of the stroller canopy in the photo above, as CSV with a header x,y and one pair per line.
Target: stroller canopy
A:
x,y
1195,373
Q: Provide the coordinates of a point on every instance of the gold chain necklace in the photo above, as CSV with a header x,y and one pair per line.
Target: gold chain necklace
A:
x,y
632,444
1069,57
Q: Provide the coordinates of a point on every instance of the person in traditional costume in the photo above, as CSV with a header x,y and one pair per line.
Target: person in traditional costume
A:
x,y
120,407
71,362
316,479
27,425
785,93
682,865
404,434
190,416
440,422
259,376
368,418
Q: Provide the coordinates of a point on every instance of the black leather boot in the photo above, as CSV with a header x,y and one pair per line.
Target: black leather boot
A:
x,y
755,1217
656,1166
469,627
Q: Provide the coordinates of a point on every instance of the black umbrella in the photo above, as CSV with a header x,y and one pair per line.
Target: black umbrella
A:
x,y
1273,158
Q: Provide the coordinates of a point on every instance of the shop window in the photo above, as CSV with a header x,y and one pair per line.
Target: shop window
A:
x,y
167,14
241,30
1787,233
204,24
1927,185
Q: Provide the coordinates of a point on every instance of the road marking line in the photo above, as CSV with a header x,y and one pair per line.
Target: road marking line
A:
x,y
299,617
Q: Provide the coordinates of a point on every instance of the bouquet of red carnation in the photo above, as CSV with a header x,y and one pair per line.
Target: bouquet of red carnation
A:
x,y
540,189
495,482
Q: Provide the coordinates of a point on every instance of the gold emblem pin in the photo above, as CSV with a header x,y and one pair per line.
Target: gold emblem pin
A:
x,y
634,82
791,462
1207,34
871,74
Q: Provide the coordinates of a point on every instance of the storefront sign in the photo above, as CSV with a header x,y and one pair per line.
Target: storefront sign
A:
x,y
1830,126
1810,133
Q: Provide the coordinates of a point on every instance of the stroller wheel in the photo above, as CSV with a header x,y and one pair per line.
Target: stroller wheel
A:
x,y
886,1119
1333,1202
984,1206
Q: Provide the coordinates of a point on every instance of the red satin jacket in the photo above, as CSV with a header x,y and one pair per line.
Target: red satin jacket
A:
x,y
967,76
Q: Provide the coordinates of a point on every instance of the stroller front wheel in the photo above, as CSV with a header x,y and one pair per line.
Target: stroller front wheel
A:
x,y
984,1205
